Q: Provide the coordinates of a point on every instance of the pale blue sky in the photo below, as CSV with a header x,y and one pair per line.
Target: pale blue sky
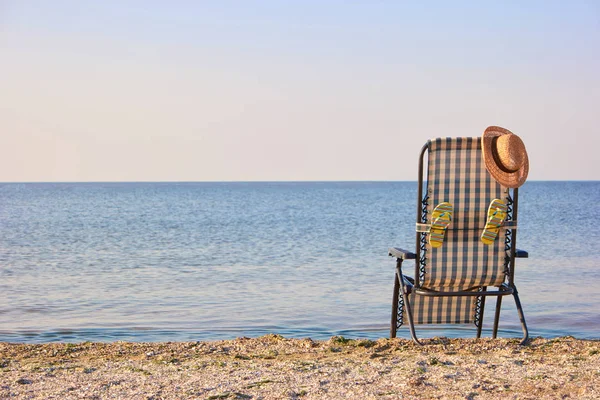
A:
x,y
290,90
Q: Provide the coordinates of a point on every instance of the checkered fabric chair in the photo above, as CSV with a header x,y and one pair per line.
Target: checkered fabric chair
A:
x,y
451,282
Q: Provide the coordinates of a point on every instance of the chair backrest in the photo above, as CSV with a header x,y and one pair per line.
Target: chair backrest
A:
x,y
456,173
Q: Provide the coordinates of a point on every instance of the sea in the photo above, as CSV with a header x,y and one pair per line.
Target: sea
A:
x,y
157,262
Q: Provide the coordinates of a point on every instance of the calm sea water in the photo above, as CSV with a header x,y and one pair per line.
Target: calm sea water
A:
x,y
199,261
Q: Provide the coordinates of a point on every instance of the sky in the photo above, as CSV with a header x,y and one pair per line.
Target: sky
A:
x,y
290,90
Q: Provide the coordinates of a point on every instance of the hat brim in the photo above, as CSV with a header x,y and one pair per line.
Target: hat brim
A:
x,y
505,178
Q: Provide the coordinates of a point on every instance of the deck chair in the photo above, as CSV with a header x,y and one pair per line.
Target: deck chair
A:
x,y
451,282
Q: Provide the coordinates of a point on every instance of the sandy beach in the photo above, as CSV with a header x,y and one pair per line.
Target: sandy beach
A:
x,y
273,367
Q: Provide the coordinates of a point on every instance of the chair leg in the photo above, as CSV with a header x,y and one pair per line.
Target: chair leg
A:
x,y
394,322
411,324
519,311
408,309
521,317
479,317
497,317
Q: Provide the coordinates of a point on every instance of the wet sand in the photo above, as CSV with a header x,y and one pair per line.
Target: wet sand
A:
x,y
272,367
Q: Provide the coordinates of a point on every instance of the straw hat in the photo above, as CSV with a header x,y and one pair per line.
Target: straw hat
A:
x,y
505,156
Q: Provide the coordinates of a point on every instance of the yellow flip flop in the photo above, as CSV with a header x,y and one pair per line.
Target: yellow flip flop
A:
x,y
440,219
495,217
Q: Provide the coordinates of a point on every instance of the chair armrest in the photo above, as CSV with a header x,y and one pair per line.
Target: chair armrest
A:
x,y
401,253
521,253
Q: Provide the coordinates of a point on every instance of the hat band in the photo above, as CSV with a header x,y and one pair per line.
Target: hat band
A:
x,y
497,159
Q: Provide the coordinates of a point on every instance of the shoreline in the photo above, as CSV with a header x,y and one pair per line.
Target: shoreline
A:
x,y
273,367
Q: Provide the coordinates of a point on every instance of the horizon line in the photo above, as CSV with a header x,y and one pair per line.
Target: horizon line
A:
x,y
273,181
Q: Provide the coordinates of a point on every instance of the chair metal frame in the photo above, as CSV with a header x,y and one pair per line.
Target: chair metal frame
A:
x,y
405,285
